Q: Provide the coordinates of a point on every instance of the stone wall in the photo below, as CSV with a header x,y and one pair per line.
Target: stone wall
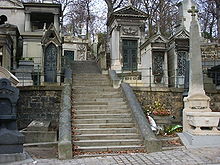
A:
x,y
210,55
172,100
38,103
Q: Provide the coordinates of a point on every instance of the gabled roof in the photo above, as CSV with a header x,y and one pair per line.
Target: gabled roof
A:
x,y
181,34
157,38
51,35
11,4
128,11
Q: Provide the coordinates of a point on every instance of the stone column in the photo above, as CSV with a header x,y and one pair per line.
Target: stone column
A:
x,y
56,22
115,49
27,27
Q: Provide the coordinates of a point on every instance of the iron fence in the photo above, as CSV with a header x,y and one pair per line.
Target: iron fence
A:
x,y
146,77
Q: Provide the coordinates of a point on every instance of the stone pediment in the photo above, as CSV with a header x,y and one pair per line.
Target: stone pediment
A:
x,y
130,11
158,39
181,34
51,35
10,4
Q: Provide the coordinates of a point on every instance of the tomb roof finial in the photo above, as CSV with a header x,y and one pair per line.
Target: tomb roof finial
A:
x,y
193,10
129,3
158,28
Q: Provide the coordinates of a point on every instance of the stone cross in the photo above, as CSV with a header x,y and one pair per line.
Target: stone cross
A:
x,y
129,3
193,10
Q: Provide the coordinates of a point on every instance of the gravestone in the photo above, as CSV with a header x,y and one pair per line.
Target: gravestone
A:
x,y
11,140
199,122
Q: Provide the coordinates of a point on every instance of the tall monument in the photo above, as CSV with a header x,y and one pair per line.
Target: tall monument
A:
x,y
199,122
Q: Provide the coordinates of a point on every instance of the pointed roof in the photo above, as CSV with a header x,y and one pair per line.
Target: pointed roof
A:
x,y
128,11
157,38
180,34
51,35
9,4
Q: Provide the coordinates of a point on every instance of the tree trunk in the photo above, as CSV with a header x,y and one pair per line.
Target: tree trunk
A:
x,y
218,18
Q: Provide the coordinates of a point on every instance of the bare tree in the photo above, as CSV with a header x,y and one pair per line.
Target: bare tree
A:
x,y
113,5
218,18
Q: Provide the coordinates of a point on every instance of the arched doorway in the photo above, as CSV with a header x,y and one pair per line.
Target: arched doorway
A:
x,y
50,63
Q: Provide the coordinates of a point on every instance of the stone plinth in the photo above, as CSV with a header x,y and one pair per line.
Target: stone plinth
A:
x,y
39,131
24,72
193,141
203,123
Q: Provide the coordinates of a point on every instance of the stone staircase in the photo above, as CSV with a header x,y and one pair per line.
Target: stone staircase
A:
x,y
102,121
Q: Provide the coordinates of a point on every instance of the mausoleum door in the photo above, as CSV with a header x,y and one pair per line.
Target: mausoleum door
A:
x,y
50,63
129,55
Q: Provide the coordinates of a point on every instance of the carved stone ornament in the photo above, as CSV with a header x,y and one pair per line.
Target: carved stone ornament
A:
x,y
81,55
182,35
130,31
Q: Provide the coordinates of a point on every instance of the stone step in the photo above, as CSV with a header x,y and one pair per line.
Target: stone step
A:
x,y
97,107
114,111
95,98
107,125
95,93
102,121
106,130
109,99
94,88
90,78
110,148
100,103
106,136
111,142
95,80
102,116
89,75
91,84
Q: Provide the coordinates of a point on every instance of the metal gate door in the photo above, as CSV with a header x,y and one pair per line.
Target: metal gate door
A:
x,y
50,63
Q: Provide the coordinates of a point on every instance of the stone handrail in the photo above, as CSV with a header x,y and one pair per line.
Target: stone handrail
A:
x,y
114,78
65,138
152,144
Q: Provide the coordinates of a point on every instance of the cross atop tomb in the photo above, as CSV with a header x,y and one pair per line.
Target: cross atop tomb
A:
x,y
129,3
193,10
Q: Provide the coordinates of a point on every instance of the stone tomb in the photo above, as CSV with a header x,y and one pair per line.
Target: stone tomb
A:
x,y
11,140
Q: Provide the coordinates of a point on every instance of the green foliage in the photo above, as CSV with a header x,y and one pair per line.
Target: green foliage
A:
x,y
173,129
207,35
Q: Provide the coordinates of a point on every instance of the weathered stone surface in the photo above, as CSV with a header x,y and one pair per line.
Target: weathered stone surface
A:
x,y
152,144
65,139
11,141
39,103
114,79
38,126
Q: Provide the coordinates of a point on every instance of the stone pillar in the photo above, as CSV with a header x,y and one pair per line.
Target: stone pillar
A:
x,y
197,101
115,49
27,27
56,22
165,69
